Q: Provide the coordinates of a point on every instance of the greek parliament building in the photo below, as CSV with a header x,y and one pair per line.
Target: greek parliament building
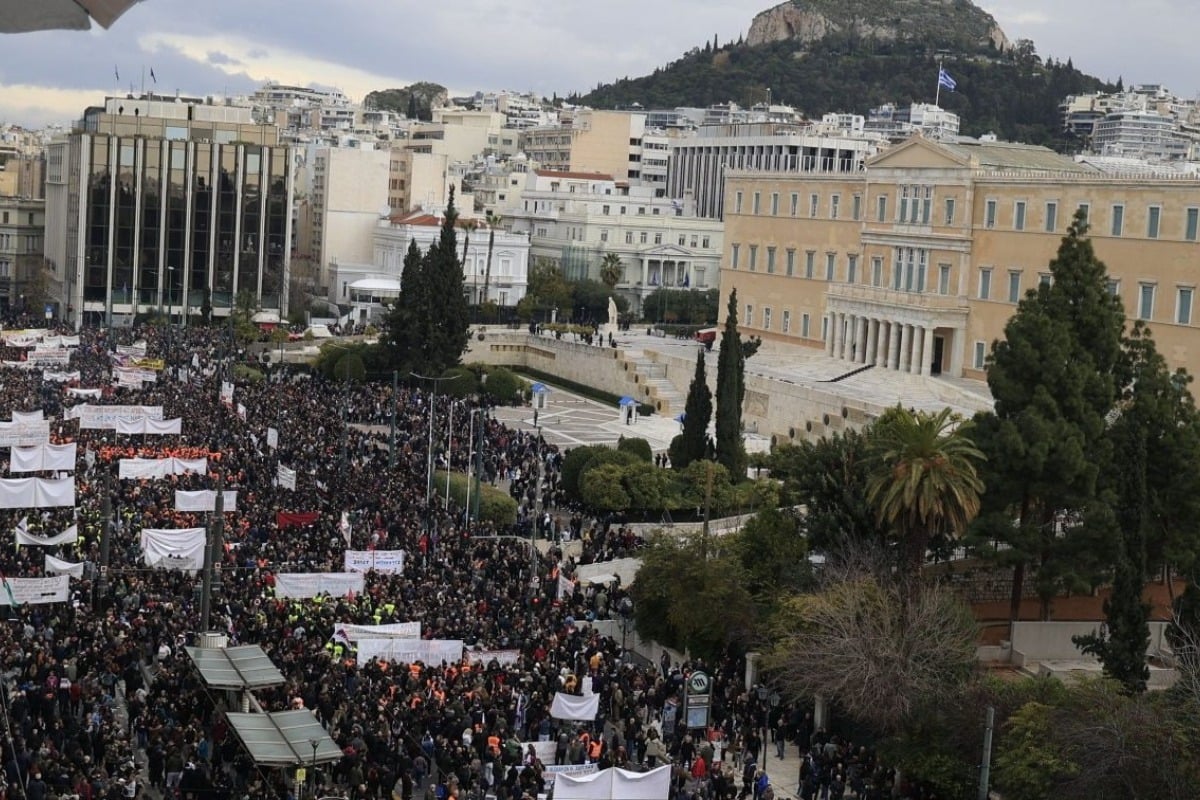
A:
x,y
916,263
158,204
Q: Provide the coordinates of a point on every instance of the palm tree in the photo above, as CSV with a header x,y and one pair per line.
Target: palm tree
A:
x,y
923,478
493,222
610,270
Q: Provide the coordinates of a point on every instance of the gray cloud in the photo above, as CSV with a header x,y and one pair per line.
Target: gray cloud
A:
x,y
545,46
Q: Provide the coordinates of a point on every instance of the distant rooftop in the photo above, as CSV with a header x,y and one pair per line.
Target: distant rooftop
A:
x,y
1010,155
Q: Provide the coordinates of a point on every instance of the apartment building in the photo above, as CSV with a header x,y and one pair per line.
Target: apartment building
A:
x,y
22,239
574,219
149,212
917,263
349,194
607,142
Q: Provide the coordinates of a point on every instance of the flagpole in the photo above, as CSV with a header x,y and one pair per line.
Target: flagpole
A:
x,y
937,97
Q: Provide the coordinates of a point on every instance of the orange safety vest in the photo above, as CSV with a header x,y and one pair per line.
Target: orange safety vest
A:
x,y
594,749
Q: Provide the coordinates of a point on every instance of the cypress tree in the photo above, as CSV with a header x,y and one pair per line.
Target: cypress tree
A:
x,y
691,444
445,318
403,338
731,366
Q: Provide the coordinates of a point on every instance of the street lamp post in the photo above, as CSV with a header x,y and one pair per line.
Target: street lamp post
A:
x,y
314,743
429,453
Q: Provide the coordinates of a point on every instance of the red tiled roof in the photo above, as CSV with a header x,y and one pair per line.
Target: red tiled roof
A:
x,y
583,176
423,219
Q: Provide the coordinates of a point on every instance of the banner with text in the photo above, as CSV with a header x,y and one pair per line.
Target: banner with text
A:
x,y
35,591
390,562
407,651
391,630
310,584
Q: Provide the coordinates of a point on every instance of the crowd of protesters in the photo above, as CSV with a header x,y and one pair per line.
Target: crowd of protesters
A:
x,y
101,699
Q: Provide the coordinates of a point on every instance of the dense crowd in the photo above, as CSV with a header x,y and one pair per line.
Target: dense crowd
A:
x,y
101,697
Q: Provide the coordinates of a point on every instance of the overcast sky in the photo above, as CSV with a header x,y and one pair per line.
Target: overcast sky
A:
x,y
216,46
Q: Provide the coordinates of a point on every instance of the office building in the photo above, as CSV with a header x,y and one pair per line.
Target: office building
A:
x,y
22,233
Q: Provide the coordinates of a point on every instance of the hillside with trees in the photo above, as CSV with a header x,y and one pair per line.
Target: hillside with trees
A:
x,y
1013,93
415,101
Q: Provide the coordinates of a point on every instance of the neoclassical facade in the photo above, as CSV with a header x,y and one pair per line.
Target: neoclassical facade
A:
x,y
917,263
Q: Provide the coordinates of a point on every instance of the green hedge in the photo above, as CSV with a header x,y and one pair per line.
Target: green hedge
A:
x,y
590,392
495,506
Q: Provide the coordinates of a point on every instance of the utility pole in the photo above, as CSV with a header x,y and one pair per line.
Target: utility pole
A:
x,y
470,462
537,519
449,448
429,449
105,538
985,769
212,554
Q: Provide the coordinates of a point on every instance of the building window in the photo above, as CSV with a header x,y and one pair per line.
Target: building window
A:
x,y
856,207
949,210
766,318
1086,210
749,316
605,209
699,273
737,203
852,268
791,262
770,260
1152,221
834,202
1183,306
1114,287
757,203
989,214
1014,285
980,355
642,210
753,257
1019,216
703,243
902,216
603,235
1146,301
786,322
813,202
830,266
877,271
926,205
774,204
1045,279
805,325
1118,220
943,279
628,237
985,283
1051,217
795,203
735,250
825,328
642,237
810,258
1193,221
682,240
881,208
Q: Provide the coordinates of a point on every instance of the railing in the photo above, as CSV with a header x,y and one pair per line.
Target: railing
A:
x,y
878,295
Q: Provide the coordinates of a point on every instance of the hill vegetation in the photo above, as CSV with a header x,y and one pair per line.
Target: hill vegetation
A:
x,y
416,101
1012,93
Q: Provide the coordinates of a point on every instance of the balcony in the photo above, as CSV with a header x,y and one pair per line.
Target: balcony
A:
x,y
878,300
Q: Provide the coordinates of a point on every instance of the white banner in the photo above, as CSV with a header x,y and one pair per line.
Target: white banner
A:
x,y
204,500
182,548
569,706
624,568
75,391
407,651
23,537
544,752
36,492
60,341
504,658
28,416
23,337
135,350
92,416
389,562
614,784
140,468
44,457
35,591
241,412
53,357
24,434
55,376
311,584
272,438
286,477
135,426
227,393
566,586
392,630
567,769
128,379
57,566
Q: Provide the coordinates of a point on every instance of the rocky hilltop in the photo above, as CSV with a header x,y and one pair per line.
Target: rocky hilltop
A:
x,y
948,21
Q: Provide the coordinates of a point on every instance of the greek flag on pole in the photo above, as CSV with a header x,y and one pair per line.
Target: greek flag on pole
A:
x,y
945,81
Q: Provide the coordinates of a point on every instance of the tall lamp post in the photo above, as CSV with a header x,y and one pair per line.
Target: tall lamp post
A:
x,y
314,743
432,413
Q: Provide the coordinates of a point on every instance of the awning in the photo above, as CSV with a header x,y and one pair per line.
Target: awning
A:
x,y
628,401
245,667
285,738
22,16
376,285
266,318
539,388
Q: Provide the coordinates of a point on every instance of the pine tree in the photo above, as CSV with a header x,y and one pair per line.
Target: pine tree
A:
x,y
692,443
446,316
1054,378
731,367
403,338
